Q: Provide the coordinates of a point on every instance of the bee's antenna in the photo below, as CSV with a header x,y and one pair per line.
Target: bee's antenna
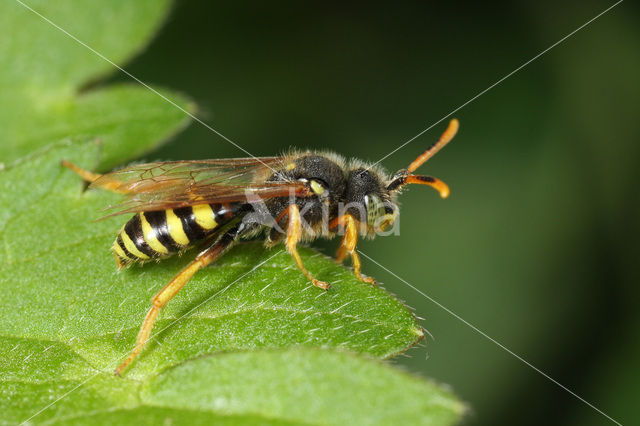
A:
x,y
404,177
433,149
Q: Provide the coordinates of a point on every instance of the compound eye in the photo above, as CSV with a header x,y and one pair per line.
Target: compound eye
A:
x,y
316,187
375,208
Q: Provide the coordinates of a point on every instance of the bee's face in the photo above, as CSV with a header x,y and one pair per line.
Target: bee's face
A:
x,y
368,200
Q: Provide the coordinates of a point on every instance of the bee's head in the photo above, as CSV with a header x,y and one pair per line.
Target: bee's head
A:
x,y
369,201
372,201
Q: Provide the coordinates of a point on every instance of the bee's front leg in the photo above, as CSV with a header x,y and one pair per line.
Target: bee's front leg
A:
x,y
348,247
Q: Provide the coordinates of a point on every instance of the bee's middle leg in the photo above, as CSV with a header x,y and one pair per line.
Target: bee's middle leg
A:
x,y
294,233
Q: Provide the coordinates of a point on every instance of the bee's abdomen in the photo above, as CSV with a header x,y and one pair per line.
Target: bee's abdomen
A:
x,y
149,235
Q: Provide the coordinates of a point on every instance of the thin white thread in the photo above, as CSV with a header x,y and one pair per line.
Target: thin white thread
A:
x,y
496,83
476,329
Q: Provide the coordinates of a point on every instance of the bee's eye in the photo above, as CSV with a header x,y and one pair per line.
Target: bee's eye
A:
x,y
316,187
375,208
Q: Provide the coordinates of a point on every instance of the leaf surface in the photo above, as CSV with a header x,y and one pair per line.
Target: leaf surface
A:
x,y
272,387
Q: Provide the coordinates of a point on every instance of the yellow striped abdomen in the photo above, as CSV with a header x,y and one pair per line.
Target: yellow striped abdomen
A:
x,y
155,234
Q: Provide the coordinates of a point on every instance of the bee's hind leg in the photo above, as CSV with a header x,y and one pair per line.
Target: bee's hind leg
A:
x,y
84,174
91,177
175,285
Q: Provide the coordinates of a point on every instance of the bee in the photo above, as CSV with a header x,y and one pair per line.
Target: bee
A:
x,y
292,198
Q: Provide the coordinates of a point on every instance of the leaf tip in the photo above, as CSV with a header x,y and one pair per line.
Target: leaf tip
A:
x,y
418,331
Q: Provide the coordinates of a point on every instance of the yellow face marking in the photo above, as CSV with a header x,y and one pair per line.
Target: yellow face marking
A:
x,y
119,252
150,236
131,247
175,229
291,166
204,216
317,187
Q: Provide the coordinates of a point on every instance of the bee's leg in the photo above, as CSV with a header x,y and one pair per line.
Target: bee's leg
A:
x,y
348,247
175,285
336,224
84,174
294,232
91,177
341,254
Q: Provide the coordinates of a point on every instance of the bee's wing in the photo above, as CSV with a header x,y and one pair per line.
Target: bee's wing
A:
x,y
174,184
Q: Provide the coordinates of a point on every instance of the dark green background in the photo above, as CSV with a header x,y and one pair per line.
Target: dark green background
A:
x,y
537,245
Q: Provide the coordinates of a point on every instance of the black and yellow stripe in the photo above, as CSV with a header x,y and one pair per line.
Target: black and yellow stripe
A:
x,y
155,234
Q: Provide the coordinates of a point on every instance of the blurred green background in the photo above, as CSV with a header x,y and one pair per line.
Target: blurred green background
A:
x,y
537,245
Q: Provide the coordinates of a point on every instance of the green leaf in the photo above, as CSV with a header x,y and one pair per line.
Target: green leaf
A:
x,y
41,86
279,387
306,386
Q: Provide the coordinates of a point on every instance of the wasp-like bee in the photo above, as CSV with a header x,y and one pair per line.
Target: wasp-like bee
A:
x,y
291,198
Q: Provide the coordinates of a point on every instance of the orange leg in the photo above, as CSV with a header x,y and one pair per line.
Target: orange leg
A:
x,y
342,253
294,232
348,247
84,174
170,290
109,185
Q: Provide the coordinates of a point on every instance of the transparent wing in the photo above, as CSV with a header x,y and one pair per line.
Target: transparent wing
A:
x,y
174,184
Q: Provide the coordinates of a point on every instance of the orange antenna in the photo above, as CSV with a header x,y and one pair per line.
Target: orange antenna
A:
x,y
404,177
444,139
435,183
